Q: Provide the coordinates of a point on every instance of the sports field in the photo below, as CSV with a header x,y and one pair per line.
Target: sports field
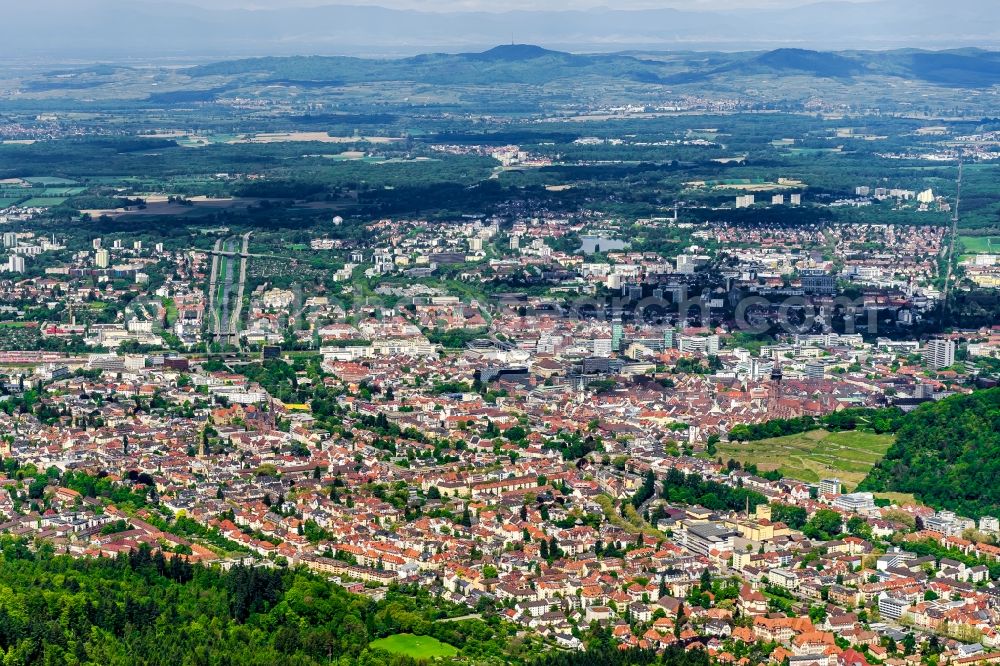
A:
x,y
980,244
416,647
814,455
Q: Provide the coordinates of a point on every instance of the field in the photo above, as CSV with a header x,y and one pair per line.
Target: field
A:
x,y
47,181
416,647
43,202
814,455
980,244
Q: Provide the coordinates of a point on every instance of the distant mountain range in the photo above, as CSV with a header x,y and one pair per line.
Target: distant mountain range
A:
x,y
106,29
533,65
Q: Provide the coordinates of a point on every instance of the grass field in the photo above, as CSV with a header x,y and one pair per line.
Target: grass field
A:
x,y
62,191
43,202
416,647
814,455
980,244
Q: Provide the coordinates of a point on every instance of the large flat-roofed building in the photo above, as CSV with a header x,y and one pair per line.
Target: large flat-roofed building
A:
x,y
702,538
815,281
855,502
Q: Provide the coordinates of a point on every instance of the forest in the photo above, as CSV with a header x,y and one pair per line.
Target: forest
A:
x,y
144,609
947,453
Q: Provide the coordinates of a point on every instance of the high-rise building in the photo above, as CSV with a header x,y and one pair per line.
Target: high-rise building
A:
x,y
712,345
617,333
939,353
97,243
796,199
102,258
9,239
15,263
778,200
814,370
745,201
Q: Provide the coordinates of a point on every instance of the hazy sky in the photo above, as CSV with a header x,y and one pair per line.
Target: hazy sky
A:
x,y
495,5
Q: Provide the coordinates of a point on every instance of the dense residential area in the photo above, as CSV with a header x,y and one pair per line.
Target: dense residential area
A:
x,y
558,472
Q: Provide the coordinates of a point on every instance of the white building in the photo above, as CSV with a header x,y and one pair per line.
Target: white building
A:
x,y
939,353
15,263
855,502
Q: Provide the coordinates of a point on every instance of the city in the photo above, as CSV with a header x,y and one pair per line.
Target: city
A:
x,y
308,370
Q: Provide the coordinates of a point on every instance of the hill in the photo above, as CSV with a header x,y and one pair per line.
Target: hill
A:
x,y
947,454
534,65
515,63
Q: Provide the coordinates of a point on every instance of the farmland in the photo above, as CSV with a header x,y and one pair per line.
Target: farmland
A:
x,y
814,455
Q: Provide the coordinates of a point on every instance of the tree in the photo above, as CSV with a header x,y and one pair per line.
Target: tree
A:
x,y
37,488
859,527
824,525
554,551
516,433
793,516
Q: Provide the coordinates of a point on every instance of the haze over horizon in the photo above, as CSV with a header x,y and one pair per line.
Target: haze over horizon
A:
x,y
110,29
